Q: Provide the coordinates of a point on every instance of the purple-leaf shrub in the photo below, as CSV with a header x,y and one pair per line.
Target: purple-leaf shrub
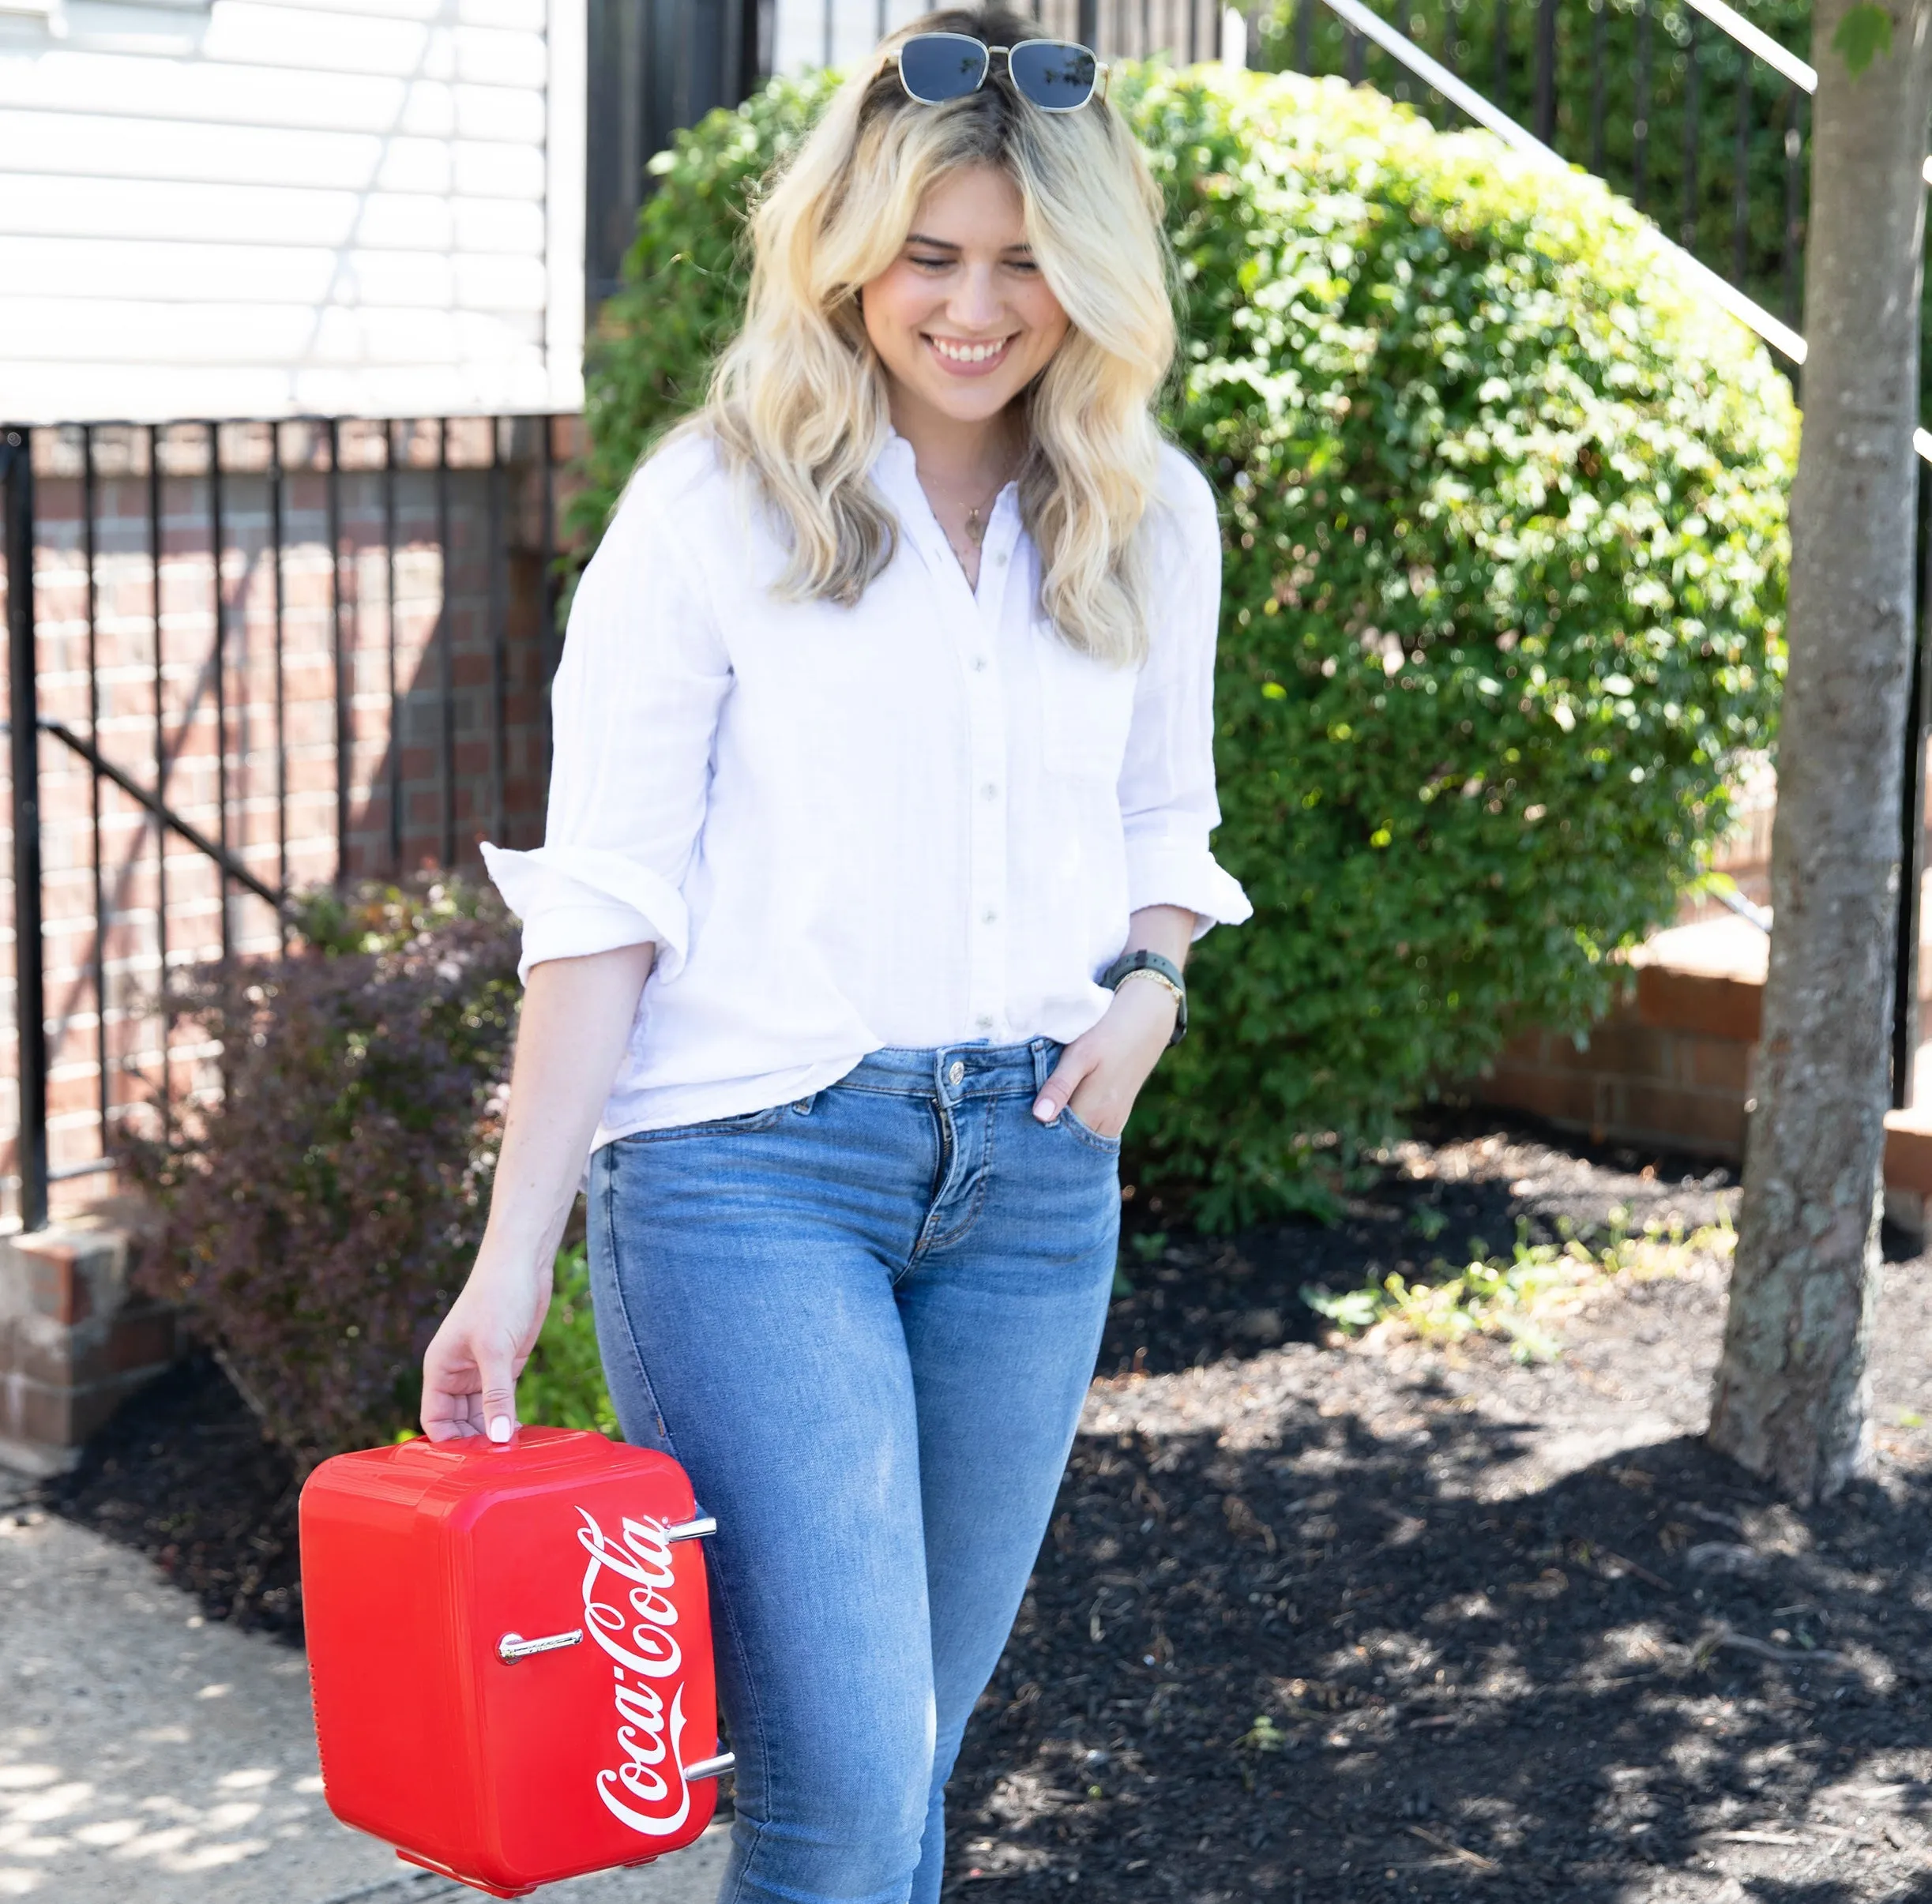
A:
x,y
317,1221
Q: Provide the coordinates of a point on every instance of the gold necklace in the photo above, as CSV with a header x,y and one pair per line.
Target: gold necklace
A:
x,y
976,524
975,519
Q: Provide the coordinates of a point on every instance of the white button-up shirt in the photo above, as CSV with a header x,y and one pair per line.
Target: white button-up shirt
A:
x,y
922,821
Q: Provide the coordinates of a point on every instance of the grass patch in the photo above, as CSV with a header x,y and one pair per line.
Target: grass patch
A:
x,y
1522,1296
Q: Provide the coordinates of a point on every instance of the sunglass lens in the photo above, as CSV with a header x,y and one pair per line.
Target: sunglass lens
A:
x,y
936,66
1053,73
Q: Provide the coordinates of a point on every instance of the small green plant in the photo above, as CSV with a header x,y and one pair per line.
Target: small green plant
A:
x,y
1427,1222
1352,1309
1517,1296
563,1386
1146,1246
1264,1735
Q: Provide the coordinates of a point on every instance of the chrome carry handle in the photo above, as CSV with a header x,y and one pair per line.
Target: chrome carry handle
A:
x,y
513,1647
709,1768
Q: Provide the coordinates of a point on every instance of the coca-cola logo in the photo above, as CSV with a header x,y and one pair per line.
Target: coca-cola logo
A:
x,y
647,1792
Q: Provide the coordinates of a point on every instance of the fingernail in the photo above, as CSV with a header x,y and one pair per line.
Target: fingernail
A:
x,y
499,1429
1042,1110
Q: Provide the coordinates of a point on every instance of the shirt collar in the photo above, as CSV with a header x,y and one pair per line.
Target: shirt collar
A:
x,y
896,469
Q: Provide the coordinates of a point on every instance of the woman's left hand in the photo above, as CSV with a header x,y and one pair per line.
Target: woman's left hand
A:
x,y
1101,1073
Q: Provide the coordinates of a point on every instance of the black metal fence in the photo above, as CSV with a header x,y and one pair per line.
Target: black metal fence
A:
x,y
1698,113
654,66
1701,119
246,659
658,65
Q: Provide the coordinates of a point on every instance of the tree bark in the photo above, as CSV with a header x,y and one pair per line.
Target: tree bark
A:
x,y
1792,1396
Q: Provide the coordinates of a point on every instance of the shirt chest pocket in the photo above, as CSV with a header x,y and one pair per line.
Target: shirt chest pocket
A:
x,y
1086,707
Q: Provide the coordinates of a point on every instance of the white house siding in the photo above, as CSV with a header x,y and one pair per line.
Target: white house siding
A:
x,y
257,207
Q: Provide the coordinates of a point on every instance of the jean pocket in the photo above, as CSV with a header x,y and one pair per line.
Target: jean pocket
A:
x,y
712,1127
1087,1135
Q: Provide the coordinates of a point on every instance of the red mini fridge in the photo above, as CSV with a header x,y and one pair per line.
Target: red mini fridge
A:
x,y
510,1652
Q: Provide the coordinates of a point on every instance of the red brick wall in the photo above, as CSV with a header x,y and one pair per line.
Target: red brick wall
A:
x,y
1672,1088
447,604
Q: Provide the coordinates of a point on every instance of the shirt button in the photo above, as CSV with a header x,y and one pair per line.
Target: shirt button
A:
x,y
978,664
984,1023
990,791
956,1070
999,561
990,915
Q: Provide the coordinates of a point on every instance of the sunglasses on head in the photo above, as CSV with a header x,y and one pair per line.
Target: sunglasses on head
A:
x,y
1055,75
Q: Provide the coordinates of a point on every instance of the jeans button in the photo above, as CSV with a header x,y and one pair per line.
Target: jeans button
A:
x,y
954,1072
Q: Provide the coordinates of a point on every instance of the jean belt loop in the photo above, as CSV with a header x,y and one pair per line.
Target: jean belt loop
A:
x,y
1042,1060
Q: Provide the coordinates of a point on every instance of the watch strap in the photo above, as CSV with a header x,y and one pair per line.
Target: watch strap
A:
x,y
1128,962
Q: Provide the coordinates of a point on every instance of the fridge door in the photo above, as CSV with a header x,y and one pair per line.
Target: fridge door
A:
x,y
590,1653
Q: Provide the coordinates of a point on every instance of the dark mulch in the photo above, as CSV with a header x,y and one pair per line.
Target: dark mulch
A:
x,y
184,1474
1401,1623
1443,1195
1378,1622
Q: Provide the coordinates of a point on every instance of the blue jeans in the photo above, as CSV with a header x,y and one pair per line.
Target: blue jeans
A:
x,y
864,1323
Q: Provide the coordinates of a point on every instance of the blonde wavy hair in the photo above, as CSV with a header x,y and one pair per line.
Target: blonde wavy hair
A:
x,y
797,400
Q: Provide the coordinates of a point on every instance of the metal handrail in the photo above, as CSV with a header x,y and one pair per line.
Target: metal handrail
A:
x,y
1755,39
487,784
1801,72
1729,897
1405,52
164,812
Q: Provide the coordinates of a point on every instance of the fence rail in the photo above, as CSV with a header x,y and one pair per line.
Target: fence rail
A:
x,y
246,658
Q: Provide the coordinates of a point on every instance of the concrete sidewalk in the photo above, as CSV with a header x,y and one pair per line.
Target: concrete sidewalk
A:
x,y
146,1753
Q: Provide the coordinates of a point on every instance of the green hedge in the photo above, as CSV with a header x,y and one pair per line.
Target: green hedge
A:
x,y
1692,125
1505,522
1462,34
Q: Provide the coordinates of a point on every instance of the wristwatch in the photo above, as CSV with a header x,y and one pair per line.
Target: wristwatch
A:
x,y
1163,971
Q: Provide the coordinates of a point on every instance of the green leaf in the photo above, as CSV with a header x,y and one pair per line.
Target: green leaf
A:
x,y
1864,35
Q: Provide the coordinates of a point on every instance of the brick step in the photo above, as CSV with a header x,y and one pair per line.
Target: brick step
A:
x,y
1908,1151
75,1338
1670,1066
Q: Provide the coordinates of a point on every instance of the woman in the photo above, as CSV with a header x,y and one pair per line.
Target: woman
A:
x,y
883,752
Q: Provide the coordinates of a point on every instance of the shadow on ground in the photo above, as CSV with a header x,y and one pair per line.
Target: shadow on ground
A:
x,y
1324,1625
1327,1666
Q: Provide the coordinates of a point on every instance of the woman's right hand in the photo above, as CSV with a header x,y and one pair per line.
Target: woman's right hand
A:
x,y
470,1371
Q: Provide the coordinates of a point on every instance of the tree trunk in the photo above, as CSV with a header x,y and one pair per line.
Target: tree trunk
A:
x,y
1792,1390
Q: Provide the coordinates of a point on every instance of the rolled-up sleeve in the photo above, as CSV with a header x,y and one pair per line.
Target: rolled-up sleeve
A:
x,y
1167,791
634,707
